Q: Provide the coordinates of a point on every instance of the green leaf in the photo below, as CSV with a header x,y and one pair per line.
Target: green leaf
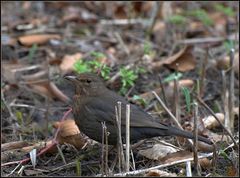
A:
x,y
177,19
81,67
201,15
32,52
187,96
226,10
172,77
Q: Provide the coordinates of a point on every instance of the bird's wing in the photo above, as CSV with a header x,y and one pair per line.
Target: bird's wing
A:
x,y
104,110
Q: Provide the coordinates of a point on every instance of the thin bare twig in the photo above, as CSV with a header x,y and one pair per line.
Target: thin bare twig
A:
x,y
231,92
127,136
195,140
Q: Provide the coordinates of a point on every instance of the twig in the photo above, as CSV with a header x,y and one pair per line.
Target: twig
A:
x,y
127,136
214,115
163,90
195,140
176,96
188,169
119,38
203,73
231,92
154,16
169,112
118,110
162,166
206,40
225,99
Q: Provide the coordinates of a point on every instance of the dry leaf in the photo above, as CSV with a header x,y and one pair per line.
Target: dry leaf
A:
x,y
231,171
205,163
13,145
184,58
159,173
224,64
68,62
39,39
157,152
210,122
173,157
69,133
49,89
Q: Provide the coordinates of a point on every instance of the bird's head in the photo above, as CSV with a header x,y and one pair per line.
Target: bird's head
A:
x,y
86,83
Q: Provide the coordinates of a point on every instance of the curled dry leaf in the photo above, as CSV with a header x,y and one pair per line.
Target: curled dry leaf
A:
x,y
157,152
173,157
13,145
49,89
69,133
184,58
39,39
68,62
205,163
210,122
159,173
224,63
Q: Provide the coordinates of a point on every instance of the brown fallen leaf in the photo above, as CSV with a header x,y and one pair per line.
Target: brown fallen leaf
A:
x,y
224,63
69,133
210,122
39,39
49,89
157,152
180,155
159,173
205,163
184,58
13,145
68,62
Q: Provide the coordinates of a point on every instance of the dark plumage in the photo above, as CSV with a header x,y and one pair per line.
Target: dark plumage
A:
x,y
93,103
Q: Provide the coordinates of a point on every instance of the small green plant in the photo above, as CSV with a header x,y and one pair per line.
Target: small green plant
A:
x,y
187,96
173,76
139,99
226,10
80,66
201,15
98,66
128,77
78,167
228,44
147,49
97,55
19,117
177,19
32,52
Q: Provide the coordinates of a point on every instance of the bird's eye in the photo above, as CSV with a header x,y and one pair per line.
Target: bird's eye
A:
x,y
88,81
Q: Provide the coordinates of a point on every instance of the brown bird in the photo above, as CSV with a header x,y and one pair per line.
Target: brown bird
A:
x,y
93,104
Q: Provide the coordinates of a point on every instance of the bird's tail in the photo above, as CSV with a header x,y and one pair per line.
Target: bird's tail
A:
x,y
186,134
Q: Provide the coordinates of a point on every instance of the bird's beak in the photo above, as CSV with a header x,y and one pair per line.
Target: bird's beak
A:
x,y
70,78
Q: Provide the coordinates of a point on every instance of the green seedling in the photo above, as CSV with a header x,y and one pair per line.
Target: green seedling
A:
x,y
228,11
98,66
173,76
80,66
32,52
128,78
201,15
139,99
177,19
187,96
